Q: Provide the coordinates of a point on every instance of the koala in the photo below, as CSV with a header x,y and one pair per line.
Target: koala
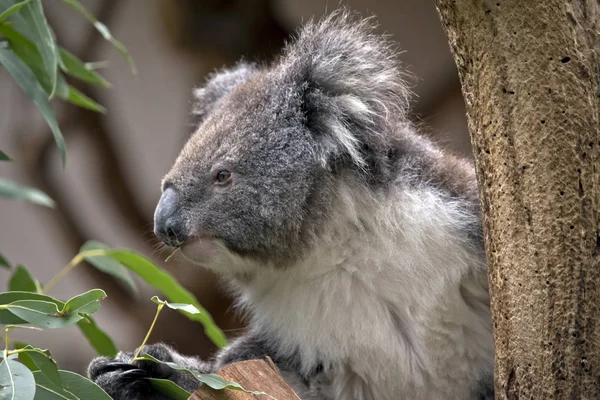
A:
x,y
352,243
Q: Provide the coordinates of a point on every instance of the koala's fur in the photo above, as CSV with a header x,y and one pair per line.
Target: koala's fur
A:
x,y
354,244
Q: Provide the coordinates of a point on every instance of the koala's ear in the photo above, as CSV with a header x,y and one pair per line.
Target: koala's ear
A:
x,y
354,90
217,85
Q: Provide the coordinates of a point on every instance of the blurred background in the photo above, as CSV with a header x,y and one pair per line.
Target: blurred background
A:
x,y
115,161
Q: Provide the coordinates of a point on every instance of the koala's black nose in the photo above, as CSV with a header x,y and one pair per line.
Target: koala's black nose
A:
x,y
168,221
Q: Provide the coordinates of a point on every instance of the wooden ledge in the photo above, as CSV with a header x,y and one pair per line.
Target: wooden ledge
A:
x,y
255,375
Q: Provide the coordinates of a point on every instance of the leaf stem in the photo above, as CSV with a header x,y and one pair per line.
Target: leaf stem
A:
x,y
137,353
17,351
72,264
6,342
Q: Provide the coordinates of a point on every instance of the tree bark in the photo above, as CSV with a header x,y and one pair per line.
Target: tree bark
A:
x,y
530,74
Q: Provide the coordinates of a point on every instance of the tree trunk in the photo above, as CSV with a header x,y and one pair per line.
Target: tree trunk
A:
x,y
530,78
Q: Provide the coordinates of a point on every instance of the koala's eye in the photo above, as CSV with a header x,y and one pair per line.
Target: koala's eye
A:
x,y
223,177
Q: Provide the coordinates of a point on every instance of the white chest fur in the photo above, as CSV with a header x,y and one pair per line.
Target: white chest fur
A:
x,y
391,301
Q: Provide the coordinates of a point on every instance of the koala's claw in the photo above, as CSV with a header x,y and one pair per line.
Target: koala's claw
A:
x,y
113,366
135,374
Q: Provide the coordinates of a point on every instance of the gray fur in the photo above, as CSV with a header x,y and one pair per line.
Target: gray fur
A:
x,y
352,243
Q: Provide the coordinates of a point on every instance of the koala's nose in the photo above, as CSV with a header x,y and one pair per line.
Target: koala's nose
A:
x,y
168,221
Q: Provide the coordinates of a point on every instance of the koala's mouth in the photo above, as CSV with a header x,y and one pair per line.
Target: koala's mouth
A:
x,y
201,250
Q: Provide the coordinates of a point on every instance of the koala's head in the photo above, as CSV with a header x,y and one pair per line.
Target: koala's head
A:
x,y
257,177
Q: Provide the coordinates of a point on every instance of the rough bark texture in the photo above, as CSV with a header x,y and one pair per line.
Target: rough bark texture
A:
x,y
530,78
255,375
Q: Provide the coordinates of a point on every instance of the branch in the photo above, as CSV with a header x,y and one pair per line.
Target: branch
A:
x,y
253,375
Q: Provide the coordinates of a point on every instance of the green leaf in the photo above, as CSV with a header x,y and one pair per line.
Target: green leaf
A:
x,y
25,49
28,361
43,38
44,363
42,313
76,387
29,54
88,302
49,314
16,381
13,9
169,286
76,68
109,265
16,19
24,358
177,306
169,389
13,191
21,280
81,100
100,27
28,82
212,380
99,340
6,317
4,262
4,156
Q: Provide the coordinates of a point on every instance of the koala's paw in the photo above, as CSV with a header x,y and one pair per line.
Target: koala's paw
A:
x,y
125,381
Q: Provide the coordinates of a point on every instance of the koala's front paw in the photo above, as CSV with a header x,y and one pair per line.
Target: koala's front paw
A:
x,y
125,381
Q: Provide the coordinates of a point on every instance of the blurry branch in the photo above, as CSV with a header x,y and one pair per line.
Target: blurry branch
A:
x,y
224,30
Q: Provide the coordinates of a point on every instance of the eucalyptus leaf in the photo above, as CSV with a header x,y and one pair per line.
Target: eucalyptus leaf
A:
x,y
6,317
75,387
4,262
21,280
16,381
88,302
83,101
24,358
99,340
109,265
43,38
189,308
42,313
16,19
44,363
169,286
13,191
104,31
4,156
27,361
26,50
73,66
12,9
169,389
28,82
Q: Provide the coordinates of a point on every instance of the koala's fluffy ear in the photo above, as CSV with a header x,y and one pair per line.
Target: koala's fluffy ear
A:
x,y
217,85
354,88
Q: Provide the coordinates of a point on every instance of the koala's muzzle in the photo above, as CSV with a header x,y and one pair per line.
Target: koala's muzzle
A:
x,y
169,225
